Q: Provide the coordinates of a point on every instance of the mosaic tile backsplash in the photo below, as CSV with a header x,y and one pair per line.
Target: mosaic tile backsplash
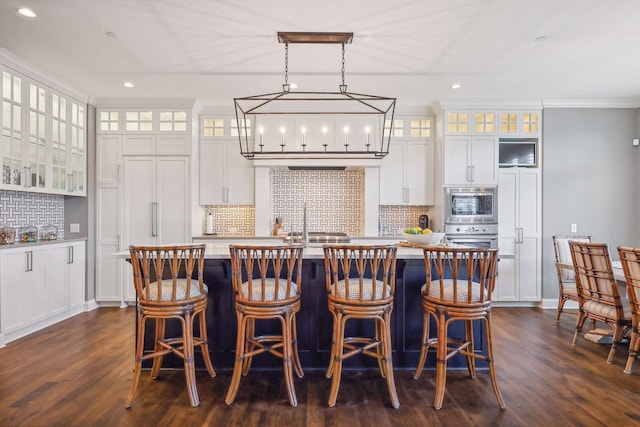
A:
x,y
334,200
393,218
18,209
227,218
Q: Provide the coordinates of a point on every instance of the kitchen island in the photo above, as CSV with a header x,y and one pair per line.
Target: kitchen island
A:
x,y
314,322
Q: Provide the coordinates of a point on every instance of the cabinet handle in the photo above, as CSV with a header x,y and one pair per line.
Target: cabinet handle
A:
x,y
119,169
70,255
72,183
24,182
406,195
473,173
519,235
154,218
468,173
28,261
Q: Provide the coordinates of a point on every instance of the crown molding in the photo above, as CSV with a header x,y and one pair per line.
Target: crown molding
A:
x,y
591,103
146,103
18,65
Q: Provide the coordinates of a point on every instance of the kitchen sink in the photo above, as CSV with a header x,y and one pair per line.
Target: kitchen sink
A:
x,y
320,237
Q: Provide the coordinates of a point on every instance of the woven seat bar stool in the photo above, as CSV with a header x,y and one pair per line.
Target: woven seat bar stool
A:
x,y
564,268
267,283
459,284
599,297
169,285
630,260
361,282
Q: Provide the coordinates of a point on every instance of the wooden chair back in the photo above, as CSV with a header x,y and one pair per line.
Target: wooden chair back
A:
x,y
594,276
168,274
564,264
360,273
266,273
460,276
630,260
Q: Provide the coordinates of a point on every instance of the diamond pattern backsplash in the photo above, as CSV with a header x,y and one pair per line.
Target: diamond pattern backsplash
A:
x,y
18,209
334,200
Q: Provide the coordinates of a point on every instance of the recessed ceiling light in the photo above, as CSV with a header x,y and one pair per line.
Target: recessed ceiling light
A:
x,y
110,34
540,39
456,86
25,11
127,84
294,86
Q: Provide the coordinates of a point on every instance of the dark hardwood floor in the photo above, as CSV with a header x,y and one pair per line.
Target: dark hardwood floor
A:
x,y
78,373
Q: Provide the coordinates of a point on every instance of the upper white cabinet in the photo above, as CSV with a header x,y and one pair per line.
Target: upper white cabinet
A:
x,y
471,160
226,177
43,141
407,172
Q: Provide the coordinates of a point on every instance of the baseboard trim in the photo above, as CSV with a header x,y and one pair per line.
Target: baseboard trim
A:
x,y
552,304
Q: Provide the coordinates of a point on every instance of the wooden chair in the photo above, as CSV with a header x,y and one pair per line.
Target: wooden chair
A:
x,y
630,260
169,285
459,284
361,282
267,282
564,269
599,298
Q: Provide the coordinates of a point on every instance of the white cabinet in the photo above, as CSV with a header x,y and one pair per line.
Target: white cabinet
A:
x,y
143,196
470,160
43,147
406,174
226,177
40,285
519,232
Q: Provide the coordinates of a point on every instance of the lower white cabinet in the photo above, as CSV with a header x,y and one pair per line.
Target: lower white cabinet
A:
x,y
519,234
40,285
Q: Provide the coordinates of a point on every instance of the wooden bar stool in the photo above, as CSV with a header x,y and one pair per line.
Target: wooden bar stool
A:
x,y
361,282
169,285
630,260
458,286
267,284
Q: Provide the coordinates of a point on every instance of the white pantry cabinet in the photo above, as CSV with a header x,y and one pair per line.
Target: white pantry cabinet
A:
x,y
226,177
406,174
40,285
519,234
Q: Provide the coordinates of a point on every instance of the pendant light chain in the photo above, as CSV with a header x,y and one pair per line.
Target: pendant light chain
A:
x,y
343,85
286,63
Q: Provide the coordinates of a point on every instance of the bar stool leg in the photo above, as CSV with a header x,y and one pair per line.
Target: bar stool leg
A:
x,y
287,357
388,360
237,366
380,348
157,361
337,359
250,332
468,336
204,346
333,354
492,371
633,350
137,369
441,360
426,317
189,364
294,339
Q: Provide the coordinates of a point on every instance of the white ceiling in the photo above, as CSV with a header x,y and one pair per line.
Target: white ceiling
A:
x,y
414,50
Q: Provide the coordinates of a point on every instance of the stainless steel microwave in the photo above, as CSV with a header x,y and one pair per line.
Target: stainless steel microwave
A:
x,y
471,205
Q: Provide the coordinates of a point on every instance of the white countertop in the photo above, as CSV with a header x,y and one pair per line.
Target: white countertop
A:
x,y
314,251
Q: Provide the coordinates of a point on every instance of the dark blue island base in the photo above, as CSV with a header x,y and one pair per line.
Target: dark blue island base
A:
x,y
314,323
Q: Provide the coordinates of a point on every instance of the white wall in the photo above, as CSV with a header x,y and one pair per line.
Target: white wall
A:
x,y
590,178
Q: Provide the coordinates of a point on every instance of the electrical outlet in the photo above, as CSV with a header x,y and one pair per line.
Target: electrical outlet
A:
x,y
74,228
574,228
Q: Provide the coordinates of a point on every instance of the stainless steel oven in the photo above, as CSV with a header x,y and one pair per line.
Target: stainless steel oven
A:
x,y
478,235
471,205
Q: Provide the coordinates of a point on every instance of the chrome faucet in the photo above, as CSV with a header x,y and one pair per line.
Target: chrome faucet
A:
x,y
305,229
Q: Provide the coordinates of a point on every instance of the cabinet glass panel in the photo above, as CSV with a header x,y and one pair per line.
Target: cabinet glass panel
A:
x,y
36,163
212,127
11,143
420,128
77,147
458,122
398,128
138,121
509,123
234,127
109,121
58,142
484,122
173,121
530,122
